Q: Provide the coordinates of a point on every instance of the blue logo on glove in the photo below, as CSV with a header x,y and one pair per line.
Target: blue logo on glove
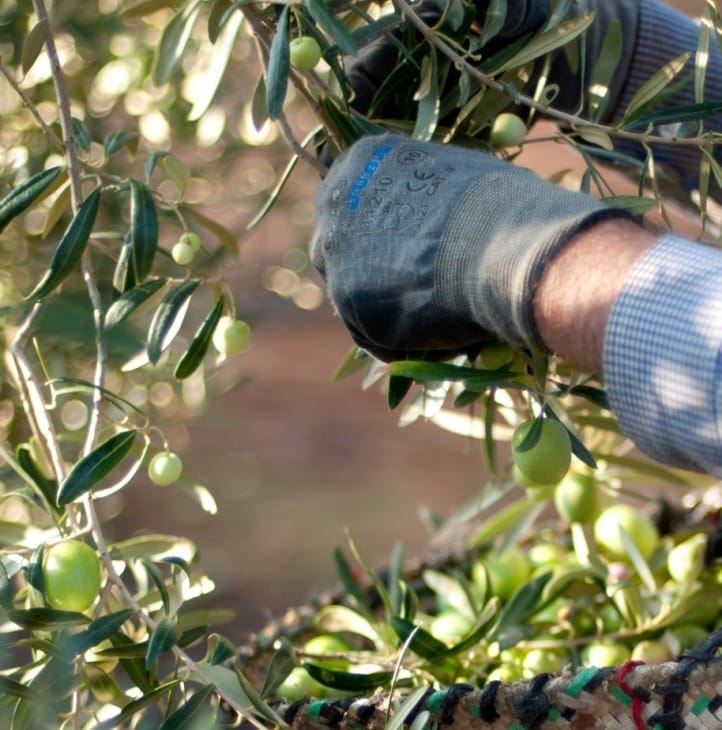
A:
x,y
353,199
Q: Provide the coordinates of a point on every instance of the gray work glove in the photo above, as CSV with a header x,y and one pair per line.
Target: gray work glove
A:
x,y
372,66
429,250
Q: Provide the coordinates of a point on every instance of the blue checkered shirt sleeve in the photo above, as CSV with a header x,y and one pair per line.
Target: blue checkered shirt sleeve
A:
x,y
661,354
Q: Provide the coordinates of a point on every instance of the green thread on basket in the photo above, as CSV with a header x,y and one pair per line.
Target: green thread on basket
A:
x,y
433,704
621,695
514,726
554,714
580,681
474,711
700,705
314,709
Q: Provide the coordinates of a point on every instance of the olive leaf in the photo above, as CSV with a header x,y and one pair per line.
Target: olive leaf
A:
x,y
321,12
280,666
33,44
168,318
100,629
196,712
279,66
46,619
95,466
427,115
71,247
163,639
493,20
115,141
202,339
6,589
173,42
25,194
143,229
348,681
126,304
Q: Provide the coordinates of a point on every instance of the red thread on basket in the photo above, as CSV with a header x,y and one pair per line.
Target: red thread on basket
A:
x,y
637,703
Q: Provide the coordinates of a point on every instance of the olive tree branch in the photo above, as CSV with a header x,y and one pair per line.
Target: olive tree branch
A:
x,y
572,120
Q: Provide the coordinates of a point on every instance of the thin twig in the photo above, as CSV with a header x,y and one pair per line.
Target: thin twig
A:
x,y
570,119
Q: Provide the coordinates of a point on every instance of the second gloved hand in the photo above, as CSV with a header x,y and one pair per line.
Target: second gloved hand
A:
x,y
429,250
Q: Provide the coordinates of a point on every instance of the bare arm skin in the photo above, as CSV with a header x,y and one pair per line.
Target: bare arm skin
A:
x,y
574,297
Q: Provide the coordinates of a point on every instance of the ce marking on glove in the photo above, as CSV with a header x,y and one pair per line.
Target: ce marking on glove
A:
x,y
427,181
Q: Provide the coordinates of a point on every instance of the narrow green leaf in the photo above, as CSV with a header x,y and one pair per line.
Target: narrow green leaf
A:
x,y
156,578
11,688
560,12
57,210
46,619
195,713
348,581
549,40
218,16
258,704
81,134
123,277
634,204
46,487
216,67
348,681
706,29
115,141
6,590
177,172
280,666
397,721
604,70
143,229
202,339
273,196
521,605
279,66
398,387
493,20
163,639
655,84
99,630
422,642
126,304
259,112
150,697
595,135
221,649
168,317
33,44
25,194
320,11
71,247
226,680
677,115
427,115
173,42
152,160
95,466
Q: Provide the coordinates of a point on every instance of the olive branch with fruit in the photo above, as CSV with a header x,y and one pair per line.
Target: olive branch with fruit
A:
x,y
556,572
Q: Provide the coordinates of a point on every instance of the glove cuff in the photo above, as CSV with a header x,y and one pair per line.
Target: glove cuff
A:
x,y
492,254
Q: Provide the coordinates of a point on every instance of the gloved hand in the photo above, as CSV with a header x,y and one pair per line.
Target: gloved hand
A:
x,y
372,66
429,250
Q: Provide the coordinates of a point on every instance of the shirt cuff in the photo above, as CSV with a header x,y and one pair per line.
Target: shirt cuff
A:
x,y
661,354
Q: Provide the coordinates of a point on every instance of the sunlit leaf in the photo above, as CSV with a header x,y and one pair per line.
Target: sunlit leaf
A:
x,y
655,85
170,309
6,589
100,629
156,578
57,210
280,666
150,696
173,41
95,466
677,115
409,705
279,66
33,44
320,11
71,247
427,95
549,40
348,680
139,8
153,546
193,356
217,64
25,194
131,300
221,232
634,204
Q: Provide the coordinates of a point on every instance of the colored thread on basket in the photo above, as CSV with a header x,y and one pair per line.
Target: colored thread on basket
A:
x,y
637,703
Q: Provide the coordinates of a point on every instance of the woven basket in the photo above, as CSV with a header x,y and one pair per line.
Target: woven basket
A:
x,y
686,693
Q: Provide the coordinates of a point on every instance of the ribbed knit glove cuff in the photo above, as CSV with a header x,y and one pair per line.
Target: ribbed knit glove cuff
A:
x,y
432,249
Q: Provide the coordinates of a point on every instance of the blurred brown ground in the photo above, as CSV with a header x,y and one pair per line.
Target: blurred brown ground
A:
x,y
294,459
